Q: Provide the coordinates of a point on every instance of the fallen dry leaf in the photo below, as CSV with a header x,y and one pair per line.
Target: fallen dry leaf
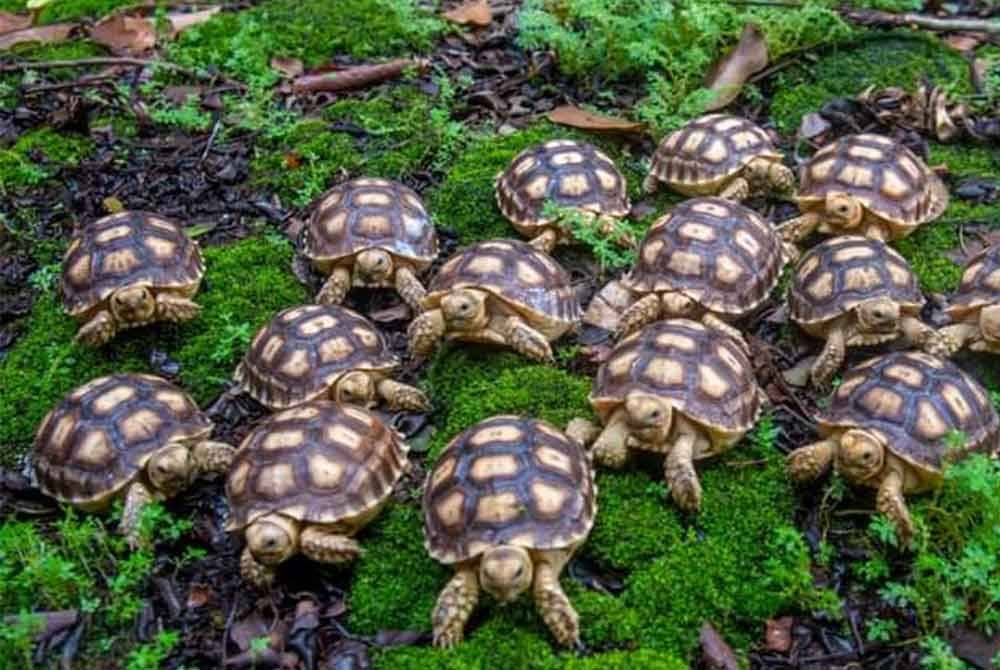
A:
x,y
778,634
727,76
357,76
290,67
181,21
127,34
472,12
964,41
716,653
11,22
569,115
50,34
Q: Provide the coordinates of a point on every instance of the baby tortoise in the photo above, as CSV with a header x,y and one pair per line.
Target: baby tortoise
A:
x,y
853,292
317,351
719,154
891,425
679,389
127,270
500,292
507,504
866,185
975,308
136,435
708,259
370,232
569,174
306,480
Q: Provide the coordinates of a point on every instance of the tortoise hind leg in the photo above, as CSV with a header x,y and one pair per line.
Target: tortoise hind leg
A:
x,y
641,313
454,607
891,502
553,603
136,499
98,330
324,546
175,308
527,341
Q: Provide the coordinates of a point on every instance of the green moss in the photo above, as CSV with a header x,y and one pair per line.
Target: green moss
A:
x,y
45,364
901,58
39,155
66,10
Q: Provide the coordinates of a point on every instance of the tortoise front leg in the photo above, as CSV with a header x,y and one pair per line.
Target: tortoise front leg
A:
x,y
175,308
527,341
212,457
553,603
780,177
876,231
891,502
137,497
916,333
610,447
641,313
832,356
254,572
678,469
951,339
454,607
402,396
96,332
546,241
812,461
800,227
582,431
651,184
335,288
324,546
425,332
409,288
737,190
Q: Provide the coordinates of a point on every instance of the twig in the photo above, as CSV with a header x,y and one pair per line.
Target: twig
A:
x,y
355,77
211,140
876,18
111,60
76,83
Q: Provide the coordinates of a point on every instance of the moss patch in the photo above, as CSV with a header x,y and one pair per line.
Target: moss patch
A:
x,y
45,364
65,10
39,155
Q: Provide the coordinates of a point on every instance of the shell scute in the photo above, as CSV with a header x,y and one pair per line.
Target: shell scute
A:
x,y
980,285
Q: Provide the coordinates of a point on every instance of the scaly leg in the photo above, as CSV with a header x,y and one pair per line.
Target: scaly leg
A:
x,y
951,339
98,330
454,607
212,457
715,323
527,341
916,333
324,546
176,309
409,288
554,605
678,470
137,497
780,177
546,241
831,358
402,396
335,288
890,502
582,432
800,227
737,190
650,184
254,572
811,461
641,313
425,332
610,447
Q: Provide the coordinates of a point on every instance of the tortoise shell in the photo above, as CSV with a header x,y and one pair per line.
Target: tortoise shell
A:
x,y
319,463
508,480
529,281
99,437
915,403
124,250
567,173
367,214
303,351
980,284
708,151
889,180
704,373
842,272
720,254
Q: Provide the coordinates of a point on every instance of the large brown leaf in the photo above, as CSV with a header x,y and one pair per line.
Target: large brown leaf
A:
x,y
125,34
473,13
727,76
50,34
569,115
181,21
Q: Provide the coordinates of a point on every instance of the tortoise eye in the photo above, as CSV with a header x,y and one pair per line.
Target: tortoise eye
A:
x,y
520,571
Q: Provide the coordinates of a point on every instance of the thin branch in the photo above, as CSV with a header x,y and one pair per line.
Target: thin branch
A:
x,y
871,17
112,60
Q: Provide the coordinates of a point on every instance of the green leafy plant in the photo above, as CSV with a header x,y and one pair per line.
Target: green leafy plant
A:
x,y
593,233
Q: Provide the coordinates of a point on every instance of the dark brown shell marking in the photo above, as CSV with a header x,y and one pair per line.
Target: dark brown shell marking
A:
x,y
566,173
710,148
703,372
840,273
889,179
980,283
508,480
303,350
319,463
123,250
719,253
914,401
97,439
514,271
371,214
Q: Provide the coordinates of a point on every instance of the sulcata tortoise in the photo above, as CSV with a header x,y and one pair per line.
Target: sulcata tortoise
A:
x,y
975,308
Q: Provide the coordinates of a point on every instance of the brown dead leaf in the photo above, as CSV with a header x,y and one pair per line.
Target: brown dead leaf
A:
x,y
964,41
289,67
569,115
50,34
356,76
778,634
472,12
716,652
727,76
199,595
11,22
127,34
181,21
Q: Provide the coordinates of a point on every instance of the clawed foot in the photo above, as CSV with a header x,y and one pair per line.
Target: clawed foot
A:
x,y
530,343
685,489
559,616
255,573
941,345
410,398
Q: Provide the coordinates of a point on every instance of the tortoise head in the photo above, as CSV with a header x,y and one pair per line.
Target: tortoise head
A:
x,y
170,469
355,388
374,265
649,418
135,304
861,455
272,539
879,315
989,323
844,210
464,309
505,572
